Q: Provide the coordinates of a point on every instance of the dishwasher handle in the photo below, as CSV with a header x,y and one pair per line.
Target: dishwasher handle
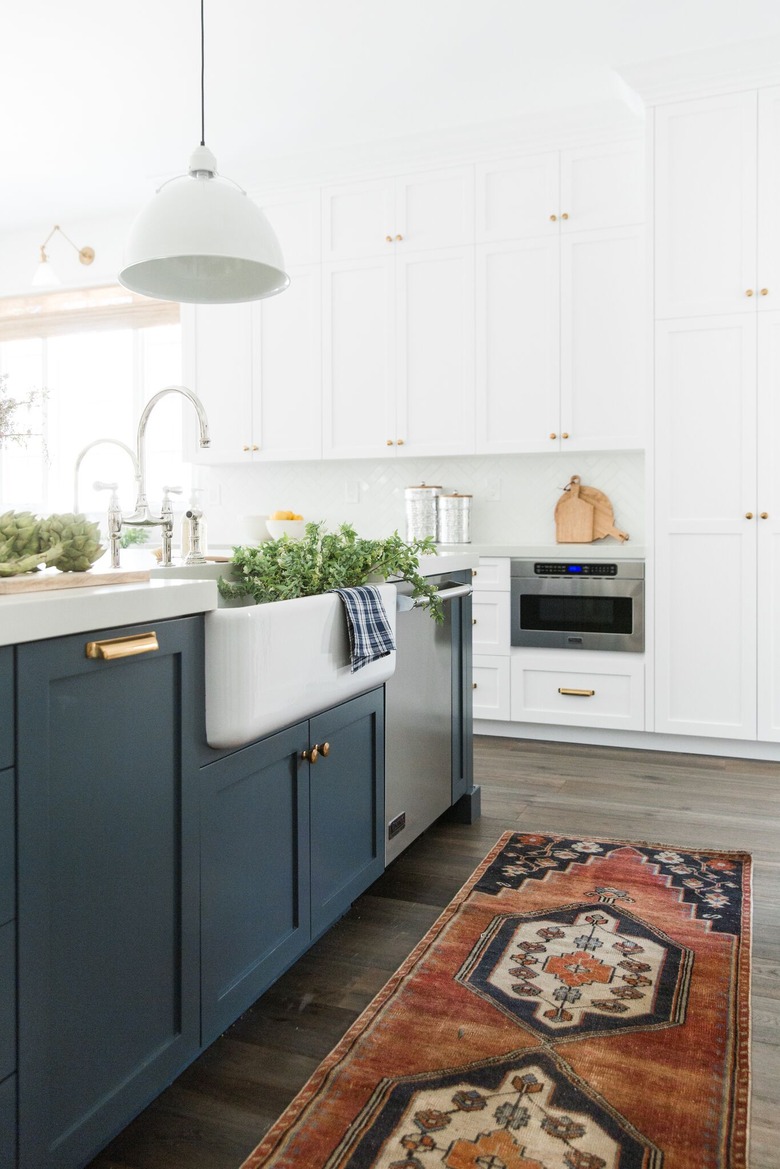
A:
x,y
404,604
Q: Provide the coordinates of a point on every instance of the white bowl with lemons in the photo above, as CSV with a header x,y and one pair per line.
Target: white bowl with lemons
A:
x,y
285,523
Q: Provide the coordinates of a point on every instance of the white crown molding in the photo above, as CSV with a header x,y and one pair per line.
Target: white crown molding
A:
x,y
607,121
706,72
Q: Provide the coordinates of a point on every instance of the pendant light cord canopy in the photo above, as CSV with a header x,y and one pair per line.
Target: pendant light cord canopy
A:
x,y
201,239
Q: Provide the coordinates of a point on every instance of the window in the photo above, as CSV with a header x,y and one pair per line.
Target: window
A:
x,y
98,355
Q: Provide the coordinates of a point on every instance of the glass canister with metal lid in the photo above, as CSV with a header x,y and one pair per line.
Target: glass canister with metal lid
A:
x,y
421,514
454,518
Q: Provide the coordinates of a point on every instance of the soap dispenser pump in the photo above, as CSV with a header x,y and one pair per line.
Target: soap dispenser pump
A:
x,y
193,532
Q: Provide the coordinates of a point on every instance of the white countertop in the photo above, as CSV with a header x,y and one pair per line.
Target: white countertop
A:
x,y
450,558
55,613
612,550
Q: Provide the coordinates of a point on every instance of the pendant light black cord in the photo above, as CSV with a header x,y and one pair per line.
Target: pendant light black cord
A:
x,y
202,79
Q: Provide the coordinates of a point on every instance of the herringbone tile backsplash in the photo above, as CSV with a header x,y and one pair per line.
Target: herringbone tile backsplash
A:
x,y
514,495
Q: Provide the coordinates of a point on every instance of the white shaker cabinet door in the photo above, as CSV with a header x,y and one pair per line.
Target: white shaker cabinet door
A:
x,y
604,308
768,256
217,344
705,610
435,352
603,186
358,219
518,198
518,346
434,209
705,206
358,359
287,407
768,527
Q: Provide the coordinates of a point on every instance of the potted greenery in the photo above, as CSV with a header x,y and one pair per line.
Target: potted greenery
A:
x,y
283,569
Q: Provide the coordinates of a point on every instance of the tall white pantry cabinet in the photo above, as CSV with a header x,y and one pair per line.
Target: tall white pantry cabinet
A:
x,y
717,415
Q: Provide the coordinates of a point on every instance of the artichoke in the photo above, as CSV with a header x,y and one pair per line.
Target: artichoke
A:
x,y
19,534
70,542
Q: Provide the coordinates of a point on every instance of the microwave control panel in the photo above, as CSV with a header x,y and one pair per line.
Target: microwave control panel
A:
x,y
547,568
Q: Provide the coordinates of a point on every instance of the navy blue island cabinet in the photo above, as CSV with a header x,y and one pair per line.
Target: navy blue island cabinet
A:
x,y
292,833
108,896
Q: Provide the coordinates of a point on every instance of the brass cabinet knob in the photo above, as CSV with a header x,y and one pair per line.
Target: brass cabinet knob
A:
x,y
400,442
553,435
749,292
398,238
553,219
245,447
764,515
323,748
388,239
474,572
748,515
473,685
565,215
311,756
473,621
565,434
389,442
765,292
255,447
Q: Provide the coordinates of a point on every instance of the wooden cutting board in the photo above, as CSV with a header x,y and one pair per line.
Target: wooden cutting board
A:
x,y
40,582
574,516
603,514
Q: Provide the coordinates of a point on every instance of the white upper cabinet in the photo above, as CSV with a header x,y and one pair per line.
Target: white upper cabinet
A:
x,y
296,219
433,209
217,366
768,267
602,186
604,308
586,189
518,198
768,525
705,207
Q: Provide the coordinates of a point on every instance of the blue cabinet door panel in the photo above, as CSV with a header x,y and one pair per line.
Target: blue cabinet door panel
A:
x,y
347,806
254,873
7,846
108,915
7,999
6,706
8,1123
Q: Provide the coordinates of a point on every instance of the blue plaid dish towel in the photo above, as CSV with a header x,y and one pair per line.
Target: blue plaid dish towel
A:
x,y
370,635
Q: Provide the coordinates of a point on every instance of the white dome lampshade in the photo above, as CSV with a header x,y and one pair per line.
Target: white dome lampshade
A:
x,y
201,240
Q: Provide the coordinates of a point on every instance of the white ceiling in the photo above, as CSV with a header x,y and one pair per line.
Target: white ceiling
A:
x,y
100,99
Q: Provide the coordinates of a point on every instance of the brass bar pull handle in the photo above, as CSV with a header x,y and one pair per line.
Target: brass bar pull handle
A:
x,y
576,693
122,647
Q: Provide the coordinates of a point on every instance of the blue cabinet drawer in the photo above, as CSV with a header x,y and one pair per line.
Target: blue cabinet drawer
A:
x,y
7,999
7,847
6,706
8,1123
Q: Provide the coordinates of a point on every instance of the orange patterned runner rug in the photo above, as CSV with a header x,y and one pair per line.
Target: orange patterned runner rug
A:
x,y
580,1004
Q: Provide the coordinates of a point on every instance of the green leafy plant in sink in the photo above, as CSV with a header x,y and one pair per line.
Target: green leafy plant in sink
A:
x,y
280,570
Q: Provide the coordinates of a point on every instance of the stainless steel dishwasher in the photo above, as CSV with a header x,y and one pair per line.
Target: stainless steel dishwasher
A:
x,y
428,752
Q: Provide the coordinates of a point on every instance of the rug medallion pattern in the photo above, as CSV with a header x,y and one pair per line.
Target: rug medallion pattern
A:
x,y
580,1004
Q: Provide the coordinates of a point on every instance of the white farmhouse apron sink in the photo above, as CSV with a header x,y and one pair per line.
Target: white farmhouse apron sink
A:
x,y
270,665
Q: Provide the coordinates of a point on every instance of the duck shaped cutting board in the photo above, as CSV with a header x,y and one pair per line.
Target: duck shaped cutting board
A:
x,y
584,514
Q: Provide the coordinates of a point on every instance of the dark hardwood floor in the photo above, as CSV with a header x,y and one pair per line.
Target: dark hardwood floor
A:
x,y
216,1112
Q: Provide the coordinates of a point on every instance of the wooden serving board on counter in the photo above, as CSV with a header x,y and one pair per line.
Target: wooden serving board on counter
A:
x,y
39,582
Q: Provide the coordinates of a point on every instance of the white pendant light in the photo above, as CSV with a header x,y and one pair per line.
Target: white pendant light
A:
x,y
202,240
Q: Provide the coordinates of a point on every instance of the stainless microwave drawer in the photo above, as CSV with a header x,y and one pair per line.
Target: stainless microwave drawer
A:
x,y
553,612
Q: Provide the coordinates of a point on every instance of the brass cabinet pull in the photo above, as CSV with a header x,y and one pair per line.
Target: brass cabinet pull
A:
x,y
473,621
553,435
553,219
245,447
473,685
565,434
388,239
122,647
474,572
749,292
576,693
399,237
400,442
389,442
565,215
765,292
255,447
764,515
323,748
311,756
748,515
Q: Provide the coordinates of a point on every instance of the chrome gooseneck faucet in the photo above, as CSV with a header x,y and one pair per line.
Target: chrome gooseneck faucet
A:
x,y
142,516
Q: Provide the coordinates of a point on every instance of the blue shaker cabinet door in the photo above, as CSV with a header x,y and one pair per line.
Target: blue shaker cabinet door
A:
x,y
6,707
108,888
254,872
347,805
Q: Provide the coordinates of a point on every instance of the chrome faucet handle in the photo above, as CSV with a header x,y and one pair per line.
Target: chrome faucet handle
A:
x,y
114,519
166,515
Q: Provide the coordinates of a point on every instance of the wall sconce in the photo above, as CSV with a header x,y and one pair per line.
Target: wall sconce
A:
x,y
45,276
